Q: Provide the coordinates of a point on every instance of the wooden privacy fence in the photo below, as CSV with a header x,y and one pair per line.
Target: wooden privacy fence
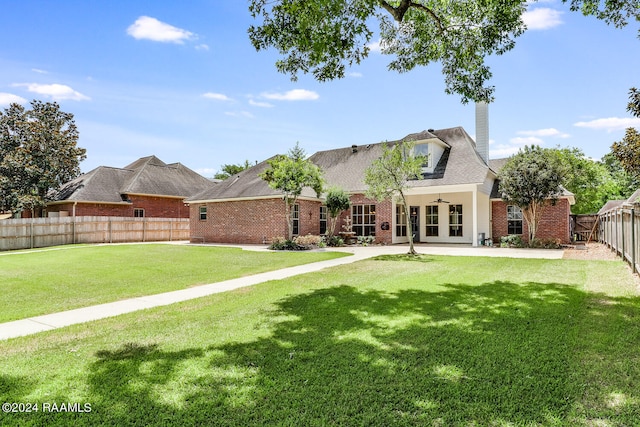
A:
x,y
584,227
28,233
620,230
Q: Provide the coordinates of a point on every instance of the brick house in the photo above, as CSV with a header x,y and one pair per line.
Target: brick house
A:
x,y
147,187
454,202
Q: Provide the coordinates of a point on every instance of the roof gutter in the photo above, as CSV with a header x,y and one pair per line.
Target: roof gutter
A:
x,y
75,202
244,199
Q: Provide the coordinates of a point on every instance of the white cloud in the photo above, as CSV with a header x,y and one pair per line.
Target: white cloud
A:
x,y
202,46
39,71
243,114
529,140
55,91
149,28
610,124
355,74
217,96
8,98
503,150
206,171
544,132
542,18
260,104
293,95
375,46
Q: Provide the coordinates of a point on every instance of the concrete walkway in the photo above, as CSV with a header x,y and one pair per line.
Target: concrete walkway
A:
x,y
48,322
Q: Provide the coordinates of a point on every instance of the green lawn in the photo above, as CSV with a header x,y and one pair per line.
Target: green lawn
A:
x,y
443,341
41,282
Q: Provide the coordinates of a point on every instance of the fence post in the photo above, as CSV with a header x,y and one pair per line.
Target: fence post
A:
x,y
633,241
31,232
622,233
617,239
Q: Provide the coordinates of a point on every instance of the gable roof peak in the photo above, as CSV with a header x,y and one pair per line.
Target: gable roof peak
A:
x,y
144,161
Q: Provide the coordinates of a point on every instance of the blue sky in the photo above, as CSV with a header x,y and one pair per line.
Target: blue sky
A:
x,y
180,80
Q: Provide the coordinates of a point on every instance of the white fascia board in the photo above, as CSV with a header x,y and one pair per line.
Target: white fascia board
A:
x,y
459,188
244,199
89,202
155,195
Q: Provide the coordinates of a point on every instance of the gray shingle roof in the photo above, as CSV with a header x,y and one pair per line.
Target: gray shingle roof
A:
x,y
148,175
344,167
463,163
634,199
244,185
611,204
497,164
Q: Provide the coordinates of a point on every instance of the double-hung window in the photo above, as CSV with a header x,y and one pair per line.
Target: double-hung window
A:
x,y
455,220
401,221
514,220
323,220
423,150
295,214
432,220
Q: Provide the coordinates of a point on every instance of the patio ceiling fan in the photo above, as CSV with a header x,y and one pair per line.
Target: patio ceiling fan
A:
x,y
440,200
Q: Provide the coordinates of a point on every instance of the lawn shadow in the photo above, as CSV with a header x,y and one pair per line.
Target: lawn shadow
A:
x,y
499,353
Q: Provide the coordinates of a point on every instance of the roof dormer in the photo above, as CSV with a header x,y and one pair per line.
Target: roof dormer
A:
x,y
432,149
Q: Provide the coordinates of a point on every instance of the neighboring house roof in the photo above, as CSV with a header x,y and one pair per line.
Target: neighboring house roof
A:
x,y
611,204
344,167
148,175
634,199
497,164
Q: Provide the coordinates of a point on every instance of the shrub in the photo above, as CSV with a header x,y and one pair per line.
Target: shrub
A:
x,y
366,240
300,243
309,241
282,244
545,244
511,241
333,241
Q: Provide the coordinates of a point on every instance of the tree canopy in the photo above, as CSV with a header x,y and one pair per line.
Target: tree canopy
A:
x,y
337,200
38,152
531,179
624,183
590,181
634,102
389,175
229,170
291,174
324,37
627,151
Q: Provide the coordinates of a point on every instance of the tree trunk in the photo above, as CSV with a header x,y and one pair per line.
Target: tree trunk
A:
x,y
288,216
412,250
333,220
532,214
